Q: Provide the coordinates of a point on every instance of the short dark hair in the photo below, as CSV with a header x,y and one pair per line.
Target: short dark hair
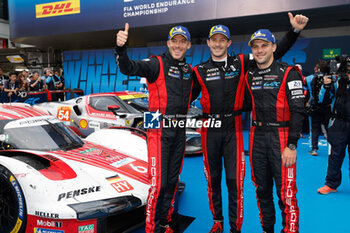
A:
x,y
323,66
36,72
13,73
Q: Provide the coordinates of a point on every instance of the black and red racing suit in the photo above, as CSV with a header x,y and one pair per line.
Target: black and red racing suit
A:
x,y
277,101
222,85
169,84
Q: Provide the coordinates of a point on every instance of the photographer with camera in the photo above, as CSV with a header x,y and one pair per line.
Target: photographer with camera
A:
x,y
319,106
339,130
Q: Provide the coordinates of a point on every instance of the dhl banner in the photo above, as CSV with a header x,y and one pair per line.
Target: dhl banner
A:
x,y
57,8
52,17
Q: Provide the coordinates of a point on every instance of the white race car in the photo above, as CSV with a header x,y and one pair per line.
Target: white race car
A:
x,y
90,113
52,181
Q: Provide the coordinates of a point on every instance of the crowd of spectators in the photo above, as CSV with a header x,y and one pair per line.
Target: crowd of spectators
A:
x,y
25,81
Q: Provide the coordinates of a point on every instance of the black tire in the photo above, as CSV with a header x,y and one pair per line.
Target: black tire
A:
x,y
13,210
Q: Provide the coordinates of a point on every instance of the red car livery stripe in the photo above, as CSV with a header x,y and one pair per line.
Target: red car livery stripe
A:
x,y
19,112
101,157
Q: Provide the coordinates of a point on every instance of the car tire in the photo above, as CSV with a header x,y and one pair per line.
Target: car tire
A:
x,y
13,211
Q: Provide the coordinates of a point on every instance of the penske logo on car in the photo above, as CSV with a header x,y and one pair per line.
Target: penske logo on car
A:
x,y
57,8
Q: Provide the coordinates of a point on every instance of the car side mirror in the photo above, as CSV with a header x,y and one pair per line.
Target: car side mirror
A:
x,y
114,109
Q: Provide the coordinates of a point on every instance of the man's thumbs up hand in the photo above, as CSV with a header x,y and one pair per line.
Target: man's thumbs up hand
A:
x,y
122,36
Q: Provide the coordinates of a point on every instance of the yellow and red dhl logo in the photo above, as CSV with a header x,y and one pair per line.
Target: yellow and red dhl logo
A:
x,y
57,8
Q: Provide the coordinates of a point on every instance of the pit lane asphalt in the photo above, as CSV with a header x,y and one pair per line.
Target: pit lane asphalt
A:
x,y
318,213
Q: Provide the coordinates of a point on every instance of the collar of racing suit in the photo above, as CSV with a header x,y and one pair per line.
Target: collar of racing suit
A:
x,y
266,70
173,61
222,64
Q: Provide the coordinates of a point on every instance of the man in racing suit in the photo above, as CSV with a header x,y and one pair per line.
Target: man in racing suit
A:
x,y
221,80
277,101
169,80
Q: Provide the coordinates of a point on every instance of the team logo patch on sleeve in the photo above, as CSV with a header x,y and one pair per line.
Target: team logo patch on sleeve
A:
x,y
295,84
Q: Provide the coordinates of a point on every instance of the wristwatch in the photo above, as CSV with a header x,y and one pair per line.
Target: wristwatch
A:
x,y
292,146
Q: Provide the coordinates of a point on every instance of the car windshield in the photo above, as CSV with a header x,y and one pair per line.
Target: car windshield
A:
x,y
142,101
101,103
44,134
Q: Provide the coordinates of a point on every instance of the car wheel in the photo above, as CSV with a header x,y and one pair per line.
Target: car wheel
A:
x,y
13,213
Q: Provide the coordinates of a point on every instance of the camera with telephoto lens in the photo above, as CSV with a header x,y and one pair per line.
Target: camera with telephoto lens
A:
x,y
344,63
326,68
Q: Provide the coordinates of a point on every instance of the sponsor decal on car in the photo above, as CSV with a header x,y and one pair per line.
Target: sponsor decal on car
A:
x,y
43,230
83,124
113,179
64,113
78,192
94,125
21,175
119,184
123,162
20,204
91,152
42,120
46,215
122,186
62,225
48,223
86,229
57,8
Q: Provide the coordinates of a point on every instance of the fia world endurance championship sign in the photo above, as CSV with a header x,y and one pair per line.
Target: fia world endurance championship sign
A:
x,y
153,8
